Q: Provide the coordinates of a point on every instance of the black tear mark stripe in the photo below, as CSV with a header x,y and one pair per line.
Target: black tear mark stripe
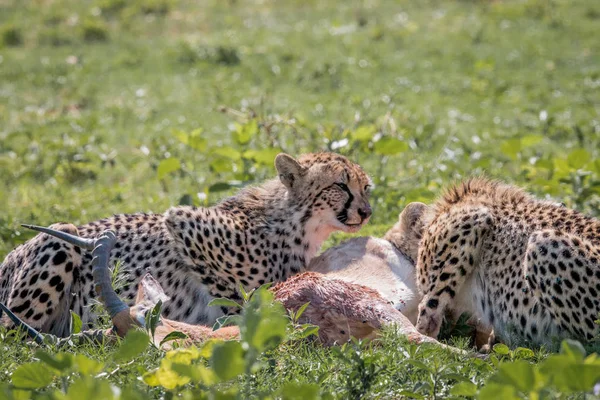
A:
x,y
343,215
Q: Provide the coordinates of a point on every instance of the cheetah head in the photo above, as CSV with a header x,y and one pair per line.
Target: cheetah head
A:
x,y
336,190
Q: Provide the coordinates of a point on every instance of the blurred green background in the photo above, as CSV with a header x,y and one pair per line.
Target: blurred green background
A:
x,y
112,106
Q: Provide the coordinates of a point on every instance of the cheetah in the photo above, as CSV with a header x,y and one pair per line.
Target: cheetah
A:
x,y
525,268
262,234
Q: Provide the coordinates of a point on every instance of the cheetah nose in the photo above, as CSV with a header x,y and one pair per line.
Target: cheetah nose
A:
x,y
365,212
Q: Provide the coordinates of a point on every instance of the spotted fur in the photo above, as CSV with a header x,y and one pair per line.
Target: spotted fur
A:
x,y
263,234
527,268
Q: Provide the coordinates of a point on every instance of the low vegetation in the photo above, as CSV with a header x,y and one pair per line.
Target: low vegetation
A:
x,y
112,106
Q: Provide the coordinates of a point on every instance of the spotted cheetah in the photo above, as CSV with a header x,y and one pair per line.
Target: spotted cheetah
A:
x,y
526,268
265,233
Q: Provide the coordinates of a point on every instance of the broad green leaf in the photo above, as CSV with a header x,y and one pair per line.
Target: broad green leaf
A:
x,y
221,165
263,156
227,152
34,375
75,323
245,132
519,374
522,352
264,321
228,360
90,388
87,366
561,168
593,358
207,348
327,396
300,311
196,373
388,146
364,133
511,147
484,65
134,343
420,365
224,302
467,389
151,378
196,141
577,378
219,187
306,331
182,136
531,140
573,349
172,336
183,356
227,320
245,295
545,164
165,376
7,393
153,318
555,363
501,348
578,158
167,166
494,391
300,391
60,362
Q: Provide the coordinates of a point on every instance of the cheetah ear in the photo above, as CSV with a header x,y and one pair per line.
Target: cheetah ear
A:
x,y
407,233
289,169
410,217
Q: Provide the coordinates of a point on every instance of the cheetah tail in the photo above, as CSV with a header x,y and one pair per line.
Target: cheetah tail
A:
x,y
35,335
87,244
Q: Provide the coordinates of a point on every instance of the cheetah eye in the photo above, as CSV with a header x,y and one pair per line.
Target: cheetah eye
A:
x,y
367,188
342,186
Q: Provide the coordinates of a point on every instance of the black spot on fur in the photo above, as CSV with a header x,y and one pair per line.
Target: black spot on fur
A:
x,y
59,258
55,280
44,260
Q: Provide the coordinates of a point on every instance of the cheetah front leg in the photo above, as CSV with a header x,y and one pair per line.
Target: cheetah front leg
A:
x,y
563,272
448,254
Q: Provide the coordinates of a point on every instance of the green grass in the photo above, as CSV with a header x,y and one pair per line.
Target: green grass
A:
x,y
95,95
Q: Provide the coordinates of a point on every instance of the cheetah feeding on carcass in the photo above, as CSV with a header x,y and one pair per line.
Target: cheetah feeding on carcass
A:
x,y
337,301
526,268
265,233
